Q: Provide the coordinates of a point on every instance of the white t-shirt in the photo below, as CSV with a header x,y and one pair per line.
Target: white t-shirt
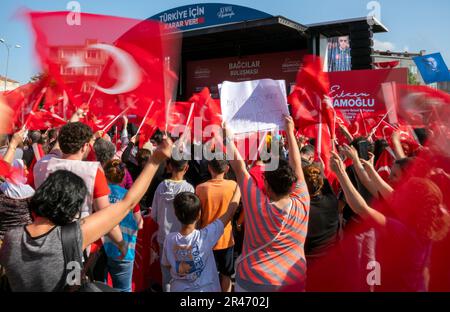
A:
x,y
191,259
162,207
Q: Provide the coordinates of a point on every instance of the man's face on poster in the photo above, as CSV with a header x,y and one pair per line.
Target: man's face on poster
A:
x,y
432,64
344,43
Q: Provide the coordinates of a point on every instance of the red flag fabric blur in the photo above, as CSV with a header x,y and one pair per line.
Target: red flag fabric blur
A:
x,y
206,108
147,270
312,108
43,120
310,97
420,106
178,116
412,240
108,62
97,124
384,164
8,172
22,100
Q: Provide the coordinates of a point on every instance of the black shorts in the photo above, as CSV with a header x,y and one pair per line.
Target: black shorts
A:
x,y
225,261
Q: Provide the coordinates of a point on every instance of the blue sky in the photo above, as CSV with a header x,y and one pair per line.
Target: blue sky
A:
x,y
414,25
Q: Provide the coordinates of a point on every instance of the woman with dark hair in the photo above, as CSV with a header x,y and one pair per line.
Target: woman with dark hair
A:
x,y
121,268
33,255
323,226
323,223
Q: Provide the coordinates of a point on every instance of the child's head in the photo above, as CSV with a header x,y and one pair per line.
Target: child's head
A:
x,y
187,207
216,166
177,167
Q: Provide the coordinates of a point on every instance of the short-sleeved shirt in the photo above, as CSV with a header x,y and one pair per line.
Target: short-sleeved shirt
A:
x,y
191,259
100,185
282,261
128,227
162,207
35,264
215,196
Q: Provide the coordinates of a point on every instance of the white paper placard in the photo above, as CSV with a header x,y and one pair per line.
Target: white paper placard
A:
x,y
257,105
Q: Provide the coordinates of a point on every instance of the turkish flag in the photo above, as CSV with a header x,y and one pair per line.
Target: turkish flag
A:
x,y
384,164
323,146
312,108
43,120
150,125
310,100
96,123
57,101
146,264
180,116
421,106
206,108
20,102
109,62
364,123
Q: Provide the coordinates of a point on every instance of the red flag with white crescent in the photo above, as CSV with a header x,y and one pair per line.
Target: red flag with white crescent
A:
x,y
108,62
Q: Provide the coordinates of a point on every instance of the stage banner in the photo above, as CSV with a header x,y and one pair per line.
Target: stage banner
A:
x,y
359,91
253,106
204,15
210,73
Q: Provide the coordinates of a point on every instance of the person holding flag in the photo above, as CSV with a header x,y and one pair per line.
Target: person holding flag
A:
x,y
273,254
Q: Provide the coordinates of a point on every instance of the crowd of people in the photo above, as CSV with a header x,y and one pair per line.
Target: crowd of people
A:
x,y
223,225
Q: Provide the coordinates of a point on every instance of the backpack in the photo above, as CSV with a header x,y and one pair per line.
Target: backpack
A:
x,y
71,253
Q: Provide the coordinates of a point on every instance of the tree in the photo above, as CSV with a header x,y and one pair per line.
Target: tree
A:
x,y
412,80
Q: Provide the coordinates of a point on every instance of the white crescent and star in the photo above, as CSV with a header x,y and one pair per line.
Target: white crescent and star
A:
x,y
129,74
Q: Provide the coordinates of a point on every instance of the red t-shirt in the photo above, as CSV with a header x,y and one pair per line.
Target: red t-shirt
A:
x,y
100,185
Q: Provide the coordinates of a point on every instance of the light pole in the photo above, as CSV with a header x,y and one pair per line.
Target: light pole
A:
x,y
8,47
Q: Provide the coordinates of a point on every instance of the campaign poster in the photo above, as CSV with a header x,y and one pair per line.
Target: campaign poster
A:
x,y
362,90
338,54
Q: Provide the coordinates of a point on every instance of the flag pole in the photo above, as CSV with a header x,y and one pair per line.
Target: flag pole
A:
x,y
184,135
378,125
145,117
35,106
364,121
191,110
106,128
167,115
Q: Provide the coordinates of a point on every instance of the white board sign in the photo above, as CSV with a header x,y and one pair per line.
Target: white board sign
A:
x,y
257,105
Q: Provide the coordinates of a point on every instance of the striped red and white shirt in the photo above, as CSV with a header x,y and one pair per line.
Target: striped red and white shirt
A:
x,y
281,261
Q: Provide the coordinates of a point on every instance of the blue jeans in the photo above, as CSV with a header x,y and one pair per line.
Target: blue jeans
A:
x,y
121,272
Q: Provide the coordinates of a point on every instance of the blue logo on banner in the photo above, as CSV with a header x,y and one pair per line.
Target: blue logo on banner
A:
x,y
206,15
432,68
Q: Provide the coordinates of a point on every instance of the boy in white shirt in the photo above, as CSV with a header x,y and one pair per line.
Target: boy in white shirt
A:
x,y
189,253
